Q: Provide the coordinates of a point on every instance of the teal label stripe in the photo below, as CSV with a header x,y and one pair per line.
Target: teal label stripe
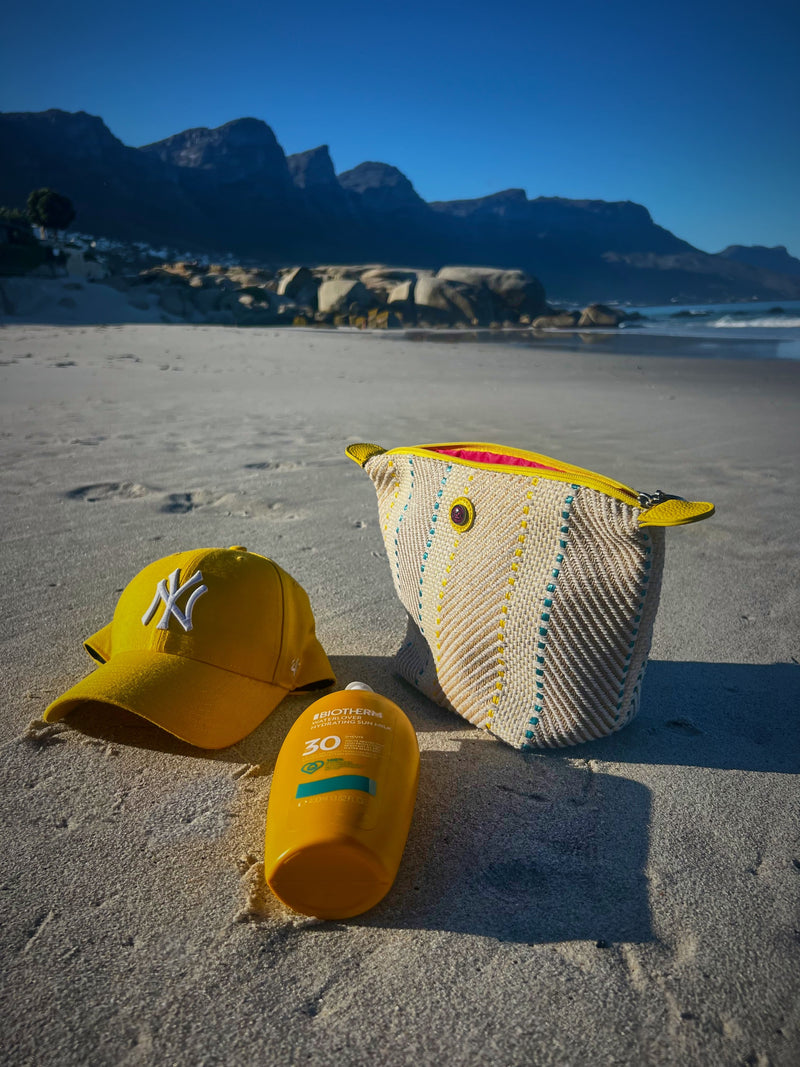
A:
x,y
331,785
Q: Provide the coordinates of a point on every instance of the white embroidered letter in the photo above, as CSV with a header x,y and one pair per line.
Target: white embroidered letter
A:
x,y
169,595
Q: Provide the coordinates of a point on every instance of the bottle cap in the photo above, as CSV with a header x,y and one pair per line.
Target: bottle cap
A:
x,y
360,685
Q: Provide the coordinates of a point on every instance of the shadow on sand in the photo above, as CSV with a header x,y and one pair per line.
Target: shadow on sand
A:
x,y
728,716
522,848
545,846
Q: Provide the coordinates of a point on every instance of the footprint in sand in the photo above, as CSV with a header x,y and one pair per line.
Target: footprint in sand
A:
x,y
276,509
684,726
91,494
273,465
179,503
229,503
182,503
129,356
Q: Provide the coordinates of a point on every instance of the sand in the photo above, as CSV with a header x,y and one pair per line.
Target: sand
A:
x,y
633,900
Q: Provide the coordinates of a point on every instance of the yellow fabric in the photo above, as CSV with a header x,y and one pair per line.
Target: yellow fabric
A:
x,y
248,640
360,453
99,645
197,703
676,513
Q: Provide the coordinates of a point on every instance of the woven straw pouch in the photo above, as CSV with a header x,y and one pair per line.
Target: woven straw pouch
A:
x,y
531,585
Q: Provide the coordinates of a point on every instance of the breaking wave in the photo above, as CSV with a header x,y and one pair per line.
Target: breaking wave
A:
x,y
728,321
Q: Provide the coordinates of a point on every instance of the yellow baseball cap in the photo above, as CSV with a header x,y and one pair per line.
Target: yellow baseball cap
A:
x,y
204,644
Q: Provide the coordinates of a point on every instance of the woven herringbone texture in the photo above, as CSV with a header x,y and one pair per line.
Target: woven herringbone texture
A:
x,y
534,623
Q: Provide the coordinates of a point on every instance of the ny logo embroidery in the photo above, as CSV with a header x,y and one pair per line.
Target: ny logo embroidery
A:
x,y
169,593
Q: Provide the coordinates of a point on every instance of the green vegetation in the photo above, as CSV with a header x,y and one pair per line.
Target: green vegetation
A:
x,y
50,210
20,252
16,216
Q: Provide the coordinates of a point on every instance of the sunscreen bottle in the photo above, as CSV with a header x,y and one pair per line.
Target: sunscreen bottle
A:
x,y
341,802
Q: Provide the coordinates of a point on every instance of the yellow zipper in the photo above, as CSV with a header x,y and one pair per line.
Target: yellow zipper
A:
x,y
657,509
558,472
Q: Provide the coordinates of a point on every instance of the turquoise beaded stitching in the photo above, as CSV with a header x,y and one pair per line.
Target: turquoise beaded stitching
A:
x,y
429,542
544,620
400,519
648,563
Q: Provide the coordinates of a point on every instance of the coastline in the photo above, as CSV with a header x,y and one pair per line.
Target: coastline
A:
x,y
631,900
735,331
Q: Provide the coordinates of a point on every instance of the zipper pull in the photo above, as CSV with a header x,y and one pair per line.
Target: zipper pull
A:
x,y
649,500
666,509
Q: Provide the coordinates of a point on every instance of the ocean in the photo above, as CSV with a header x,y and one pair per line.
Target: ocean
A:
x,y
748,331
706,331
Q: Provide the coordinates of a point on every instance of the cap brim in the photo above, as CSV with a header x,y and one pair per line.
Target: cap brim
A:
x,y
204,705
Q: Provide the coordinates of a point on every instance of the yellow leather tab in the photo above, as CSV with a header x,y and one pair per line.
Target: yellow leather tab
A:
x,y
361,453
676,513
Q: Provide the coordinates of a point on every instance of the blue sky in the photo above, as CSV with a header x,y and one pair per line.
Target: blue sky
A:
x,y
688,108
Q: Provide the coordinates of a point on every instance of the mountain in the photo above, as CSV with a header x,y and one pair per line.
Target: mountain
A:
x,y
573,246
238,177
313,169
776,259
383,189
118,191
233,189
240,151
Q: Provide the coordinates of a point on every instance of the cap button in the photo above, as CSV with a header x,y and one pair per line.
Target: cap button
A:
x,y
237,548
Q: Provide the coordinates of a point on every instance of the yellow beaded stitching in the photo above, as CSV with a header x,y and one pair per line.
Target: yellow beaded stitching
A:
x,y
442,589
396,494
501,648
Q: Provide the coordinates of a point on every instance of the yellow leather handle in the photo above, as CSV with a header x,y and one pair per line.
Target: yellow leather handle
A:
x,y
360,453
676,513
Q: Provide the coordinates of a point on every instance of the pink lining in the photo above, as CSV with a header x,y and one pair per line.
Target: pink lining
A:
x,y
473,456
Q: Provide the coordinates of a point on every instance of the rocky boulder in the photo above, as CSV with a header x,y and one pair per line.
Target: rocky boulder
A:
x,y
253,306
514,292
299,285
330,272
561,320
384,280
383,319
178,273
242,276
401,292
453,301
340,294
600,315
